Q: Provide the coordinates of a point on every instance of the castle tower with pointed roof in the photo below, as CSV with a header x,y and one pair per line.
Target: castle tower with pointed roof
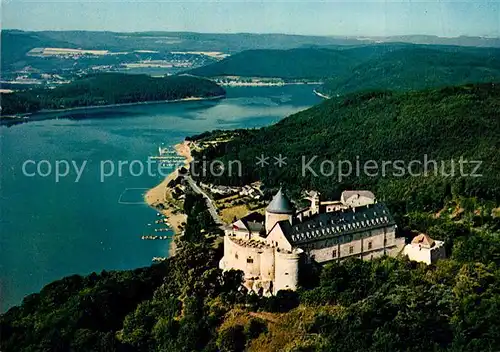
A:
x,y
270,249
280,208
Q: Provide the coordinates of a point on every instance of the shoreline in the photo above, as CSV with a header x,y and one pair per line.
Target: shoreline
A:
x,y
159,198
27,116
321,95
265,84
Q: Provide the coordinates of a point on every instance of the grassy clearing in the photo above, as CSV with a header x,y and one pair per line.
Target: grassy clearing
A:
x,y
237,211
285,331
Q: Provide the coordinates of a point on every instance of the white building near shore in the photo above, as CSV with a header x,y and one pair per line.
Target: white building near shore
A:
x,y
424,249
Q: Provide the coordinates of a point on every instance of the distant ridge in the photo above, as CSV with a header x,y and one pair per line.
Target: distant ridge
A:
x,y
394,66
16,43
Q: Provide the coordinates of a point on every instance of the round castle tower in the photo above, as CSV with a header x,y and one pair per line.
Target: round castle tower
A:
x,y
280,208
287,270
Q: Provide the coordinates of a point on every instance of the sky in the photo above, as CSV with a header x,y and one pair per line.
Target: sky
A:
x,y
344,18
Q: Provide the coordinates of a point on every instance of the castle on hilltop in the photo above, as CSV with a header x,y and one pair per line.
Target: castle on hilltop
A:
x,y
270,249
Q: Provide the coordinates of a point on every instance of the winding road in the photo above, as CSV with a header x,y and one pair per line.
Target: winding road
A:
x,y
210,203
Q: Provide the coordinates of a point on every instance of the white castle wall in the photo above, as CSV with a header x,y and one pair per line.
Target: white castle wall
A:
x,y
287,271
237,257
425,255
323,251
267,266
357,201
276,239
272,219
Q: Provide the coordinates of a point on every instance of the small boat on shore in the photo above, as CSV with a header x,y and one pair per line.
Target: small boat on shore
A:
x,y
158,259
154,237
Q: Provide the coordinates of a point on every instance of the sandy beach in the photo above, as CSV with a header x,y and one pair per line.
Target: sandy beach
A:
x,y
160,198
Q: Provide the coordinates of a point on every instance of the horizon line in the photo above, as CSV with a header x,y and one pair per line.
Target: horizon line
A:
x,y
255,33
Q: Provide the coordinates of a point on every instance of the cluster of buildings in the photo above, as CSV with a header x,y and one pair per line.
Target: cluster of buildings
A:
x,y
270,249
251,191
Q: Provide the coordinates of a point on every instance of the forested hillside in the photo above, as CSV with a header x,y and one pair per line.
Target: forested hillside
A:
x,y
414,68
109,88
188,304
346,69
287,64
441,125
16,44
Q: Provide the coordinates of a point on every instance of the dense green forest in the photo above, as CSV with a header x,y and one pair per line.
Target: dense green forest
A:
x,y
106,89
414,68
345,69
187,304
308,63
441,125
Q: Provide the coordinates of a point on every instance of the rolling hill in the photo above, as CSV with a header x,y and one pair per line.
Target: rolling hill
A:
x,y
16,44
346,69
438,124
308,63
108,89
418,67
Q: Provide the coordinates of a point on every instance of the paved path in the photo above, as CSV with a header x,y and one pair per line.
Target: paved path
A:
x,y
210,203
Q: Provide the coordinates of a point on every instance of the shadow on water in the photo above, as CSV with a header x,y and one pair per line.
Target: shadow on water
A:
x,y
107,112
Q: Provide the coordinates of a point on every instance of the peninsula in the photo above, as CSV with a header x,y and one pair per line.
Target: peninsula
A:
x,y
105,89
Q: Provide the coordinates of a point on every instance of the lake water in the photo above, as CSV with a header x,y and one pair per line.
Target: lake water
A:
x,y
52,229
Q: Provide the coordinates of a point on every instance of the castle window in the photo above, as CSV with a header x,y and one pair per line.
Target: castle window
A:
x,y
334,253
249,260
286,273
370,245
351,250
236,256
385,241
